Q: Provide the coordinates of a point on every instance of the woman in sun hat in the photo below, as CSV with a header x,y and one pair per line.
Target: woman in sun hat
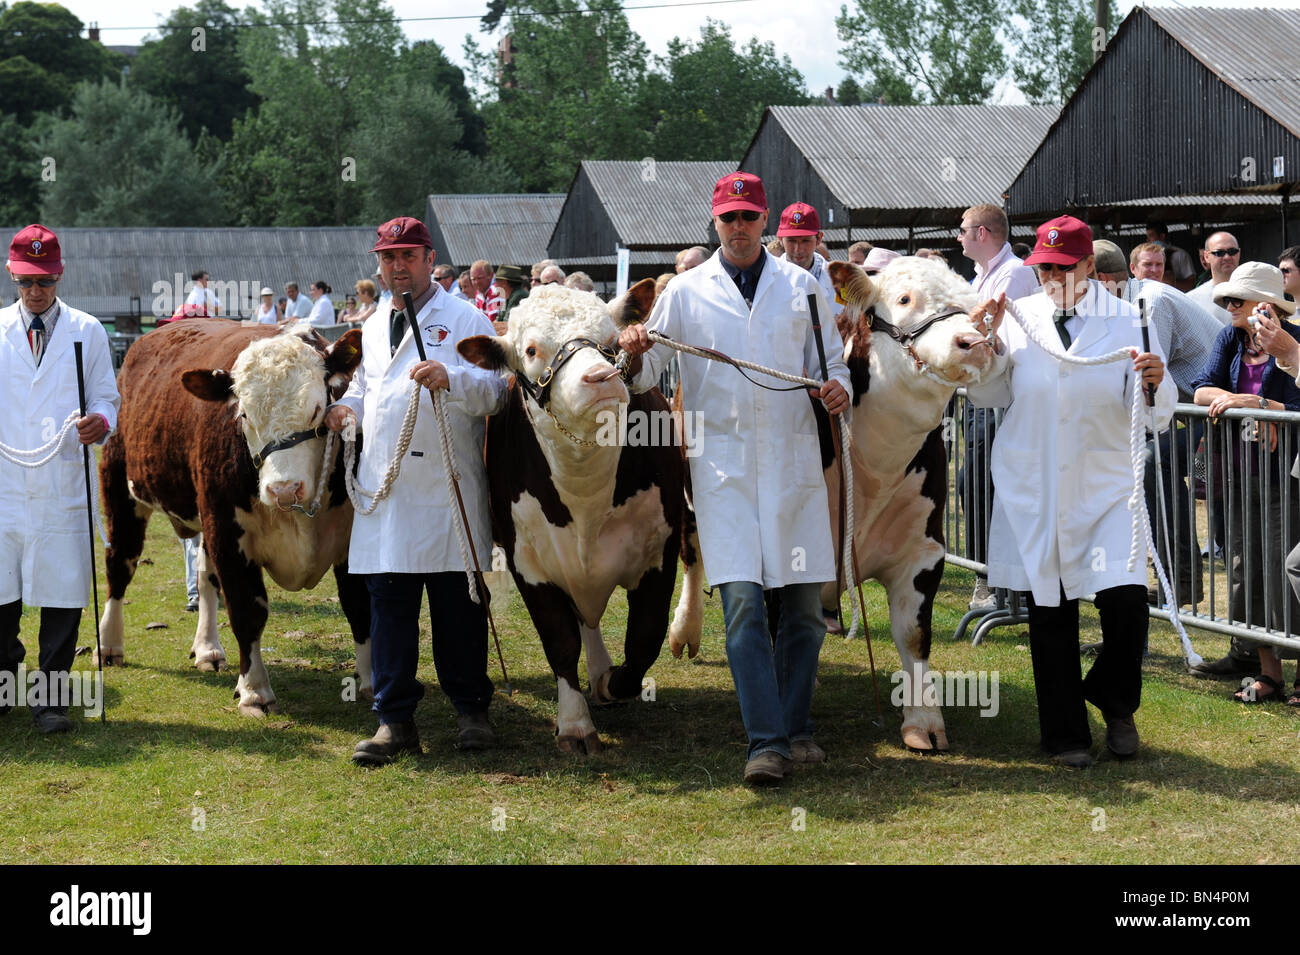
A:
x,y
266,312
1241,373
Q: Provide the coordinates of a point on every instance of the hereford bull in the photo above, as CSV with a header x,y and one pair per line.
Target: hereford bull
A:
x,y
577,509
235,455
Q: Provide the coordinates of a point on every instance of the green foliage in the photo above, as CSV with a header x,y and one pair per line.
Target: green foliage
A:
x,y
43,57
571,93
925,51
19,173
200,75
1056,47
707,98
26,88
121,159
848,93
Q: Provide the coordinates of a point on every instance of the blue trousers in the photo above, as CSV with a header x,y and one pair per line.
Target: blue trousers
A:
x,y
459,643
774,682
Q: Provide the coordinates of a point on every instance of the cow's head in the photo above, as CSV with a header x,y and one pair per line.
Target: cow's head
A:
x,y
279,388
924,307
548,346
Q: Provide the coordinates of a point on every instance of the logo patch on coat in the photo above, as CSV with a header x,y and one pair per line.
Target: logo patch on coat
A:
x,y
435,335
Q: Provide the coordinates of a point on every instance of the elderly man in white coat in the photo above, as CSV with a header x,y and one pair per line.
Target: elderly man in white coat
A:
x,y
44,554
1061,465
408,545
759,495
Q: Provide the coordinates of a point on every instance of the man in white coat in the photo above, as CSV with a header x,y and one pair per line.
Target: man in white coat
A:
x,y
408,545
759,494
1062,469
44,552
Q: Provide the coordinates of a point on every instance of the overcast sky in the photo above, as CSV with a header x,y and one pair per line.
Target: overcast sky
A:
x,y
805,30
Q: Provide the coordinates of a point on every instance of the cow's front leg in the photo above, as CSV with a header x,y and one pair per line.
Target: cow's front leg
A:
x,y
557,625
354,599
911,601
647,620
206,650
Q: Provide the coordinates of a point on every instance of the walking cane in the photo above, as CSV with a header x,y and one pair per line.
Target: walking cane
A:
x,y
846,532
409,304
90,522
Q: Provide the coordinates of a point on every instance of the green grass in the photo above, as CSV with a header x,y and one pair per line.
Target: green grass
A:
x,y
1214,777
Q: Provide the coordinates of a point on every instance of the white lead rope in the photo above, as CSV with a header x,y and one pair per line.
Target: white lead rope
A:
x,y
39,457
1141,521
846,442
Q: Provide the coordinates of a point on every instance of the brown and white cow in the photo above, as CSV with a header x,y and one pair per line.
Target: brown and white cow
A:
x,y
577,510
912,345
235,455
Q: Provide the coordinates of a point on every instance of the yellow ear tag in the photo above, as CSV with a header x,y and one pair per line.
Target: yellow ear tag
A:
x,y
839,296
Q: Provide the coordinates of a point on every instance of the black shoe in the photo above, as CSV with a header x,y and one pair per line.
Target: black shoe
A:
x,y
1121,736
475,732
192,607
387,744
1226,668
1074,758
52,721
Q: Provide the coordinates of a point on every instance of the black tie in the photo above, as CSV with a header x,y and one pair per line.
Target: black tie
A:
x,y
396,330
748,286
37,335
1061,317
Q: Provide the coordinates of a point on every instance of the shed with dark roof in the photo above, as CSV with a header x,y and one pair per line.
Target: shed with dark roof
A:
x,y
503,229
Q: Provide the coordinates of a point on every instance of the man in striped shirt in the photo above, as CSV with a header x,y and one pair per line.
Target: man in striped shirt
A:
x,y
489,299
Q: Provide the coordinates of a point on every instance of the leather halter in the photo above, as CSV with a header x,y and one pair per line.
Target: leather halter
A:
x,y
908,339
293,440
541,389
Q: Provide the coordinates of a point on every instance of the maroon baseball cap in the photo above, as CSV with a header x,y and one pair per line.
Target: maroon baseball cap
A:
x,y
799,219
739,190
35,251
403,232
1062,241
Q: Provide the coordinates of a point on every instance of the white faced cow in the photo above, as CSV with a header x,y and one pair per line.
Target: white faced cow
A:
x,y
237,456
578,506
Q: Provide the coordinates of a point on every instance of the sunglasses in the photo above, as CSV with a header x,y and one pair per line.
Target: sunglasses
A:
x,y
1053,267
1233,302
968,228
1286,270
1220,253
749,215
43,283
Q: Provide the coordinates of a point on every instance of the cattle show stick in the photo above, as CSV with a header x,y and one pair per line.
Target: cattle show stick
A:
x,y
409,304
90,521
1161,503
842,453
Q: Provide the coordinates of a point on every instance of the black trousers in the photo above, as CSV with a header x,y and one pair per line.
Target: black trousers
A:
x,y
57,639
1113,685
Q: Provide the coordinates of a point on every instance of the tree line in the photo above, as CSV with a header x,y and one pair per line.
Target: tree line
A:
x,y
322,112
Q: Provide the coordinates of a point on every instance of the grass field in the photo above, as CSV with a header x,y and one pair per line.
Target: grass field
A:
x,y
177,775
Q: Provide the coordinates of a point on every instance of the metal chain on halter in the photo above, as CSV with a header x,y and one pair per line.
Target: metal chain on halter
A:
x,y
1141,521
846,462
39,457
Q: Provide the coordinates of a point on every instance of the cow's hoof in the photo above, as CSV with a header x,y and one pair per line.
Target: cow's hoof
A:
x,y
589,744
676,646
211,661
917,740
257,709
940,739
600,694
115,657
368,692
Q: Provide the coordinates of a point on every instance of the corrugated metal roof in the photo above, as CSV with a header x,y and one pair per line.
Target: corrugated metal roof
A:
x,y
1254,51
657,203
914,157
501,228
104,267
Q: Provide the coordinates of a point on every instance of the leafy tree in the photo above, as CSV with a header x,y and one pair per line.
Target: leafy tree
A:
x,y
200,75
19,173
849,93
43,56
707,98
571,93
27,88
425,61
925,51
122,160
1057,47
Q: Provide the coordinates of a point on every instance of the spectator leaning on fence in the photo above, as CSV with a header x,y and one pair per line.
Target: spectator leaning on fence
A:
x,y
1061,527
322,310
1187,333
1241,374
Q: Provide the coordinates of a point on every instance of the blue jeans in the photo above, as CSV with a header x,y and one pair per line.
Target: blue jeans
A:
x,y
459,643
191,546
774,684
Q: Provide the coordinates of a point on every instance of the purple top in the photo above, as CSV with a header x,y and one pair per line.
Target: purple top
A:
x,y
1251,382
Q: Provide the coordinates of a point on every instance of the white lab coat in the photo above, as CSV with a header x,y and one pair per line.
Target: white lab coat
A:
x,y
44,535
412,531
1060,461
759,494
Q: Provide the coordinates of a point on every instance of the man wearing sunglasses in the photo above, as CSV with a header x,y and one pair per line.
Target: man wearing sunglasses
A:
x,y
759,495
1222,254
44,558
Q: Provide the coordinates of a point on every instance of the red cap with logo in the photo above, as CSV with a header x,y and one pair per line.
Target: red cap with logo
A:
x,y
737,191
1062,241
35,251
799,219
403,232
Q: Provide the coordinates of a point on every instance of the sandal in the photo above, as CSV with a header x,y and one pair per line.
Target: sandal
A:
x,y
1294,698
1248,693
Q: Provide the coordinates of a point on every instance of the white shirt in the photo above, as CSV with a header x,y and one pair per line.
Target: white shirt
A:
x,y
1006,272
322,312
266,314
297,308
205,297
1203,295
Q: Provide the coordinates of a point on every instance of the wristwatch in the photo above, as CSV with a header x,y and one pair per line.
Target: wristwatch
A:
x,y
1263,402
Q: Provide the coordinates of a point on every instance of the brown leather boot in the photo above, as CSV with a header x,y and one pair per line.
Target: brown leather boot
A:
x,y
387,744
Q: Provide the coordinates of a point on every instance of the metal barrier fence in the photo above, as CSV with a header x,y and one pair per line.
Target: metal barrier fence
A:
x,y
1230,485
